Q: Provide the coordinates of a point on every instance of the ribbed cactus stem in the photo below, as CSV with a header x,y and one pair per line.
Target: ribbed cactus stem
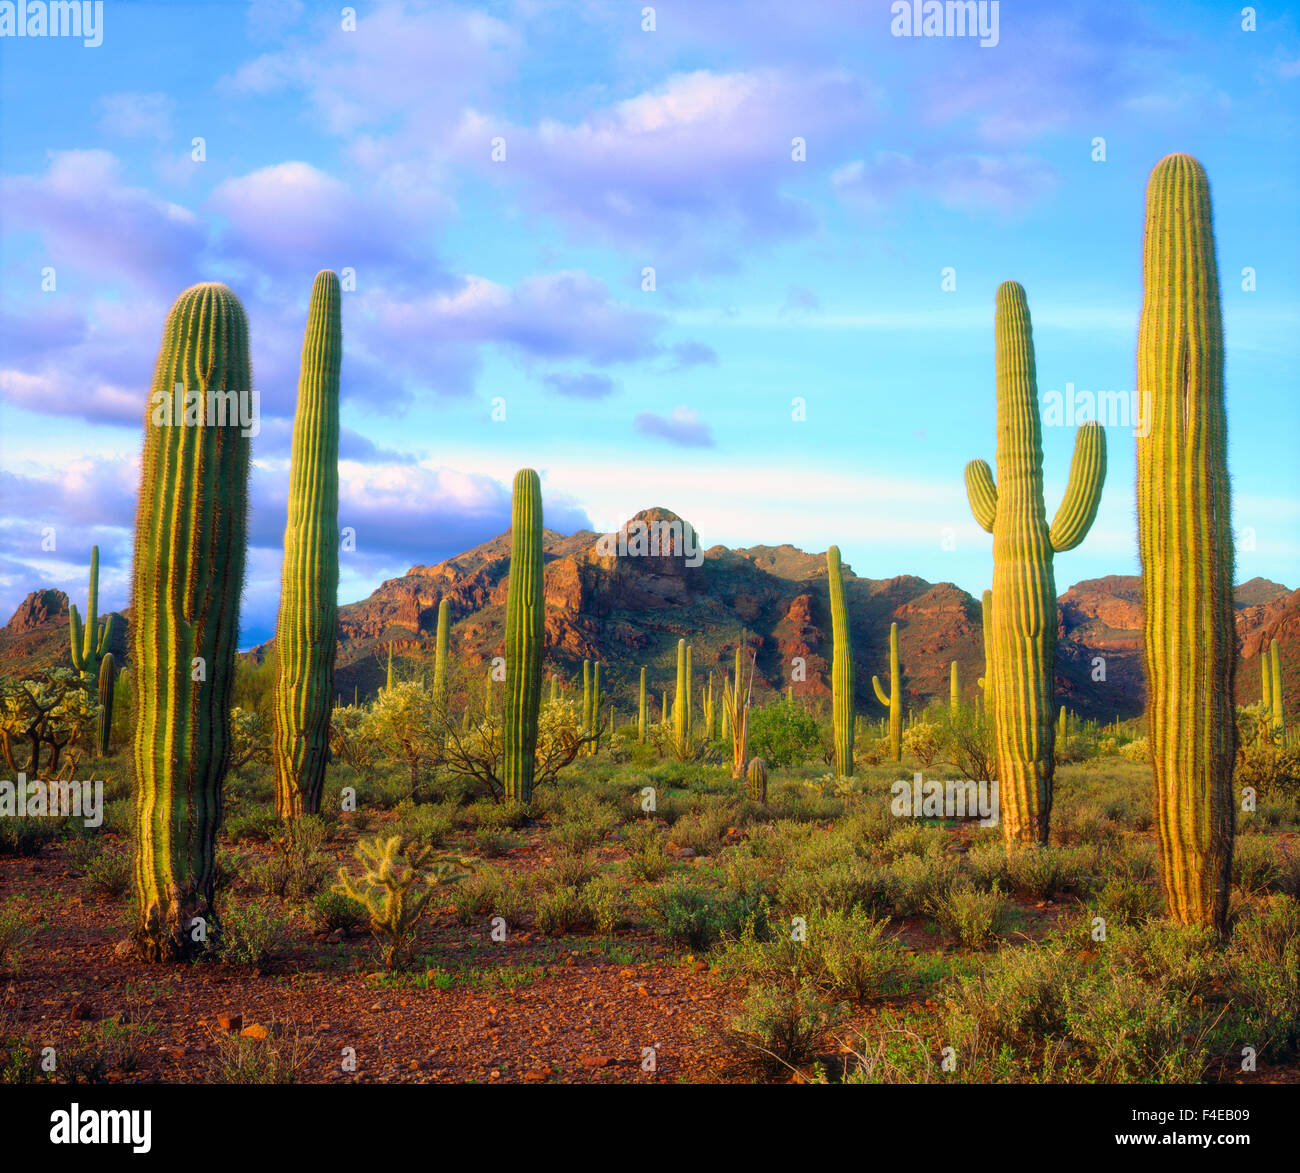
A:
x,y
841,667
1185,544
954,687
690,681
525,637
104,724
90,642
893,700
990,673
388,680
190,545
595,704
586,697
641,711
1024,588
306,635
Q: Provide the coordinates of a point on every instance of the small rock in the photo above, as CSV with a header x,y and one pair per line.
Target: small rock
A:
x,y
626,974
82,1012
701,967
230,1022
684,853
534,1077
254,1030
596,1060
123,947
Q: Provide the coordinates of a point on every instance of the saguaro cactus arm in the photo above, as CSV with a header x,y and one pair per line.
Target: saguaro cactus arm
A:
x,y
1078,508
881,695
982,492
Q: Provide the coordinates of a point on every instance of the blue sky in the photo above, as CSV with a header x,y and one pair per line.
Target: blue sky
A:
x,y
521,280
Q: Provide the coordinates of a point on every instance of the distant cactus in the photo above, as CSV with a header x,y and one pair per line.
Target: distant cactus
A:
x,y
525,637
682,701
756,780
986,681
586,696
641,712
1185,545
91,642
190,545
893,700
1024,589
954,687
104,725
389,681
306,634
690,682
841,667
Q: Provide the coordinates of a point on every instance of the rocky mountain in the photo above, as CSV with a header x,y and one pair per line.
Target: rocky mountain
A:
x,y
626,602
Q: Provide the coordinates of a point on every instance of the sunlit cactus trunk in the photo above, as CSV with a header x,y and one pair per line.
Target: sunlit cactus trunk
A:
x,y
586,696
1278,705
306,634
641,712
1185,544
990,674
893,700
441,651
954,687
1024,587
682,699
525,637
841,667
90,642
190,542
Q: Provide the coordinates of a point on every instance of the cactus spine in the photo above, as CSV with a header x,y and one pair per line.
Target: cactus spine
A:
x,y
1024,588
893,700
1185,544
90,643
104,724
190,545
841,667
641,712
525,637
306,636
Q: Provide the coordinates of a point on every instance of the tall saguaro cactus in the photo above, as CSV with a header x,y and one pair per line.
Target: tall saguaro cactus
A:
x,y
525,637
841,667
990,674
682,699
954,687
90,643
190,544
306,634
1024,588
893,700
1185,544
641,712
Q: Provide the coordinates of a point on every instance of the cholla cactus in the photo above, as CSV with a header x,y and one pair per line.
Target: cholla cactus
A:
x,y
393,892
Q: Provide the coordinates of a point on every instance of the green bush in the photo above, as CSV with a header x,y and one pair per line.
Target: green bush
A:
x,y
784,735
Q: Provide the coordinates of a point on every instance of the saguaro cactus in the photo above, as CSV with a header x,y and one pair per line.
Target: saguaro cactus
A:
x,y
641,712
441,651
954,687
104,724
91,642
1024,589
690,681
756,780
306,634
1278,701
190,543
586,696
1185,544
682,700
525,637
841,667
893,700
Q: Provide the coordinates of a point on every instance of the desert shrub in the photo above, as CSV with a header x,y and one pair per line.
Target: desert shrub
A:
x,y
837,887
783,735
332,910
27,834
297,867
850,955
703,831
648,852
427,824
1031,871
921,881
1137,750
250,931
1271,770
13,929
492,842
257,826
781,1023
1265,951
1255,865
561,910
923,742
970,915
272,1060
567,871
107,872
485,894
698,918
